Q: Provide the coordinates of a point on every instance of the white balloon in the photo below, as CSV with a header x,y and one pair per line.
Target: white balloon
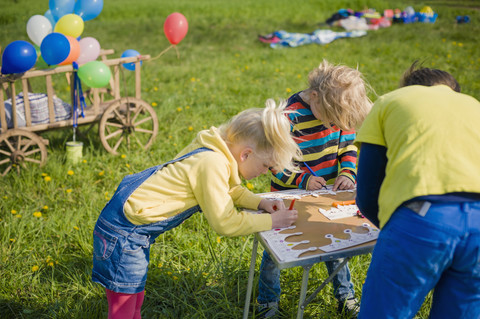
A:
x,y
38,27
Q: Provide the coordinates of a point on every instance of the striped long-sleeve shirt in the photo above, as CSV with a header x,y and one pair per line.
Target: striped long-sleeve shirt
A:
x,y
328,152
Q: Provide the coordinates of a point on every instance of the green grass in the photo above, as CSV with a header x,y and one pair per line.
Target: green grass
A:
x,y
222,70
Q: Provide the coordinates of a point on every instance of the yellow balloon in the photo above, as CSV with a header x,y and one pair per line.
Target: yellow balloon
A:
x,y
70,24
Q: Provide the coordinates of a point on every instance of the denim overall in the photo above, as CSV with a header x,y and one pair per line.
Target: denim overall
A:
x,y
121,250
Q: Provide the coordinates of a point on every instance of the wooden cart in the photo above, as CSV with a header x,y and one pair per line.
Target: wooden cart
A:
x,y
123,121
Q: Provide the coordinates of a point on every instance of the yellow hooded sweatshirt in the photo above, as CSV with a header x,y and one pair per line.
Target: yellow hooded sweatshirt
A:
x,y
208,179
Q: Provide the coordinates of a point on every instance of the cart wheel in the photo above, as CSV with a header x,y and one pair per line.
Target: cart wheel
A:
x,y
18,147
128,121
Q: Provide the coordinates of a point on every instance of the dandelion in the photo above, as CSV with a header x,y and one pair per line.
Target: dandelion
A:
x,y
154,104
84,161
13,211
155,89
70,172
69,190
204,127
18,216
5,197
299,76
101,173
44,174
35,268
250,186
47,178
187,107
237,55
170,137
247,67
37,214
449,55
160,265
123,156
169,273
13,240
288,90
179,109
127,165
174,144
50,264
175,277
190,128
76,228
45,207
204,274
460,44
219,239
192,79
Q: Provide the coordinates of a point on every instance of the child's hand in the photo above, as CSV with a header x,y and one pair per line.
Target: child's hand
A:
x,y
271,206
315,182
284,218
343,182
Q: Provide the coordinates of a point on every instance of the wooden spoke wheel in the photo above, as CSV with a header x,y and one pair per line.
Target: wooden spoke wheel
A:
x,y
20,148
128,122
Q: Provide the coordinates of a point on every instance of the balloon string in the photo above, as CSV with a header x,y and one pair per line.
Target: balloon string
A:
x,y
164,51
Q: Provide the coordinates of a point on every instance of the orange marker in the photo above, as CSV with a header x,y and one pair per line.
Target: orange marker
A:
x,y
291,204
347,202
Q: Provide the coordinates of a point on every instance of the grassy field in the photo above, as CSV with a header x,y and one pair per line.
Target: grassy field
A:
x,y
47,214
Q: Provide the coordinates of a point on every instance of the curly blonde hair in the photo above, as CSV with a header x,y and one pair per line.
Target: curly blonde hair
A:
x,y
267,130
342,95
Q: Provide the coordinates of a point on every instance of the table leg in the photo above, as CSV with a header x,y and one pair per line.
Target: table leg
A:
x,y
326,281
251,272
303,291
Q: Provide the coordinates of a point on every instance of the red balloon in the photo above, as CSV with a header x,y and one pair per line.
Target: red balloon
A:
x,y
175,27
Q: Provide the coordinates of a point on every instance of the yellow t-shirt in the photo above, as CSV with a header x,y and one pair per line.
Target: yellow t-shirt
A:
x,y
432,136
209,179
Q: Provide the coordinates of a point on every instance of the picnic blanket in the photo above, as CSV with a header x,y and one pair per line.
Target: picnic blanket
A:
x,y
38,109
321,36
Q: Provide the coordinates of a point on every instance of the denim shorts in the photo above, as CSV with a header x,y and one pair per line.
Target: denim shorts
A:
x,y
120,259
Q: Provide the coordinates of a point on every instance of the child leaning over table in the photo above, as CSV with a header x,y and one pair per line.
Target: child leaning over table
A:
x,y
205,176
323,120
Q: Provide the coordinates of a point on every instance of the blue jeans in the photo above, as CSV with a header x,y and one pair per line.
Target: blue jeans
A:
x,y
416,254
269,284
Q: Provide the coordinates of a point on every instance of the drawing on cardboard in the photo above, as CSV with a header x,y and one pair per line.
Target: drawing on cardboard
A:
x,y
314,233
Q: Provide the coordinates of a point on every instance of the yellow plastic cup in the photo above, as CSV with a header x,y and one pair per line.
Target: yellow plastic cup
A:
x,y
74,152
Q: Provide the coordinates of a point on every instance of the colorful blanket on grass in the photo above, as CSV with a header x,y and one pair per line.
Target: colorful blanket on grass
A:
x,y
289,39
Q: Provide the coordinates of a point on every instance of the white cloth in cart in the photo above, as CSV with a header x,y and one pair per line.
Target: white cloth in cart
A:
x,y
38,109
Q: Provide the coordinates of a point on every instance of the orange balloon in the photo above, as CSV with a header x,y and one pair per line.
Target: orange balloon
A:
x,y
175,27
74,51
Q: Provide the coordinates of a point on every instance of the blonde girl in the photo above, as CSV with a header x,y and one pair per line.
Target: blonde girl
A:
x,y
205,176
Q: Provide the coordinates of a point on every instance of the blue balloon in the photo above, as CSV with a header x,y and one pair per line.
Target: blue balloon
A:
x,y
48,14
18,57
55,48
59,8
88,9
127,54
